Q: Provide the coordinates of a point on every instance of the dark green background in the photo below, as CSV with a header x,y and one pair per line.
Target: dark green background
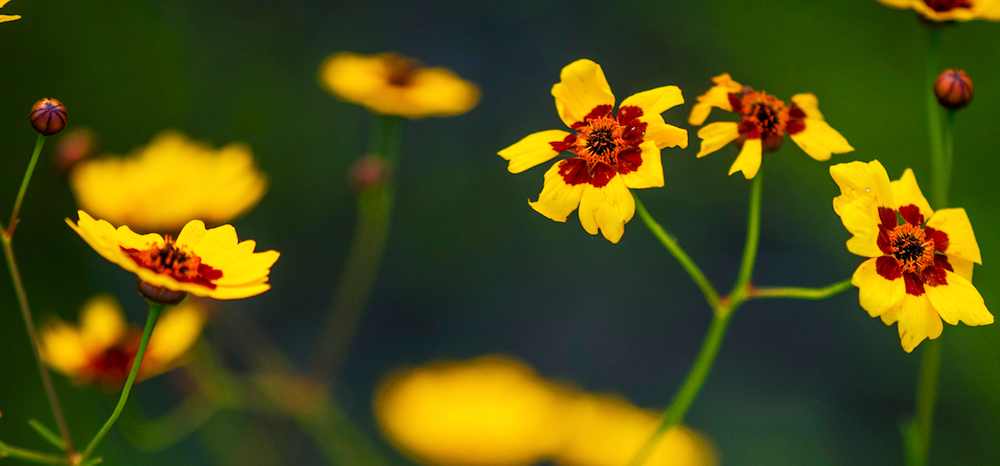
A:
x,y
470,268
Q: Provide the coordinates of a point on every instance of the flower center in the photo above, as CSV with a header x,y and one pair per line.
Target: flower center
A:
x,y
400,69
763,113
176,261
600,140
113,364
911,247
947,5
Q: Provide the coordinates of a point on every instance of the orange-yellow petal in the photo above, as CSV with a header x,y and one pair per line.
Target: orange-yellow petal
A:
x,y
656,101
876,294
717,96
819,140
650,171
861,219
581,88
959,300
906,192
558,198
716,135
607,209
102,323
5,18
749,159
961,239
532,150
860,179
917,321
809,105
62,348
175,333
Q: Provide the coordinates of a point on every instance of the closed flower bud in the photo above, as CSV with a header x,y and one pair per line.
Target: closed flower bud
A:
x,y
48,116
368,172
954,89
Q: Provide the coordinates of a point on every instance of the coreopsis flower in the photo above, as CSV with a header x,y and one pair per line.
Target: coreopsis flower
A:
x,y
210,263
5,18
764,122
391,84
102,348
949,10
919,269
611,152
174,179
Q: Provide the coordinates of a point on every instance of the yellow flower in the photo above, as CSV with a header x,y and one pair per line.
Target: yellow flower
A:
x,y
209,263
214,185
950,10
391,84
493,411
765,121
612,151
5,18
919,270
101,350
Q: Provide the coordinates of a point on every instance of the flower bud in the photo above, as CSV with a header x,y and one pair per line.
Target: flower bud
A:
x,y
953,88
368,172
48,116
159,294
73,147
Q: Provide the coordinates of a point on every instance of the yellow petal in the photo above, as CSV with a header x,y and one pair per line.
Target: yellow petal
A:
x,y
861,219
961,239
716,135
440,92
581,88
607,208
906,192
216,241
717,96
176,331
102,323
959,300
987,9
809,105
662,134
860,179
656,101
62,347
876,294
5,18
899,3
962,267
917,321
250,269
191,234
819,140
558,198
749,159
650,171
532,150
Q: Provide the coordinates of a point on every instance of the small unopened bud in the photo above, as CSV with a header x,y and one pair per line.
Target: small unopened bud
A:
x,y
159,294
73,147
48,116
954,89
368,172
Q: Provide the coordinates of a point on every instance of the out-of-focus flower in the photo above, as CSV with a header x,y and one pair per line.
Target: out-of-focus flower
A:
x,y
391,84
765,121
48,116
5,18
612,151
73,148
954,88
164,185
101,350
950,10
370,171
919,270
493,411
209,263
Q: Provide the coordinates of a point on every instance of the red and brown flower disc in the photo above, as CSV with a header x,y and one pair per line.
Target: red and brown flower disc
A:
x,y
919,269
612,151
764,122
949,10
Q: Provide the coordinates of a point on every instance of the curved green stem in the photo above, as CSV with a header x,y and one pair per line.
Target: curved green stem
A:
x,y
682,257
798,293
24,183
750,247
939,188
7,451
154,313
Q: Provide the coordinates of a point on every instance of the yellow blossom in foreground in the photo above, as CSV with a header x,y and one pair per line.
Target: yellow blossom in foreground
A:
x,y
391,84
764,122
919,270
612,151
101,350
950,10
172,180
5,18
493,411
209,263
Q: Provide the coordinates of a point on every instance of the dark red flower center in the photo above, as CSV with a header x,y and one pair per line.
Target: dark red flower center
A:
x,y
176,261
111,367
948,5
766,117
605,143
400,69
913,252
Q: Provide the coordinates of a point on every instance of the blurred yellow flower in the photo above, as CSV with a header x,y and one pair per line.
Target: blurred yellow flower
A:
x,y
209,263
950,10
391,84
919,271
169,182
101,350
612,151
493,411
765,121
5,18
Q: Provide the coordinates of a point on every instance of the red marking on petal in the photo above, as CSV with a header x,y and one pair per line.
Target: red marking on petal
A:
x,y
574,171
598,112
634,133
749,129
795,126
934,276
941,260
914,286
888,268
629,161
565,144
602,174
888,217
940,238
795,112
912,215
736,102
628,113
883,239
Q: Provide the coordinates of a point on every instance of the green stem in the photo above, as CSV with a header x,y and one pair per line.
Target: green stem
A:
x,y
24,182
47,434
753,239
798,293
682,257
938,172
930,366
154,313
7,451
364,258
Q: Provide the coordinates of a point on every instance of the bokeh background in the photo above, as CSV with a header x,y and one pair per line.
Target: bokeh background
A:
x,y
470,269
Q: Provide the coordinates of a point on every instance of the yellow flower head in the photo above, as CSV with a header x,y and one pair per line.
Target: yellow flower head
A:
x,y
919,269
612,151
391,84
950,10
101,350
216,185
209,263
5,18
765,121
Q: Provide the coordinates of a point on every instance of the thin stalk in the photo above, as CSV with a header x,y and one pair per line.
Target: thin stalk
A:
x,y
711,295
753,239
364,258
47,434
798,293
7,451
939,187
24,182
154,313
930,367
